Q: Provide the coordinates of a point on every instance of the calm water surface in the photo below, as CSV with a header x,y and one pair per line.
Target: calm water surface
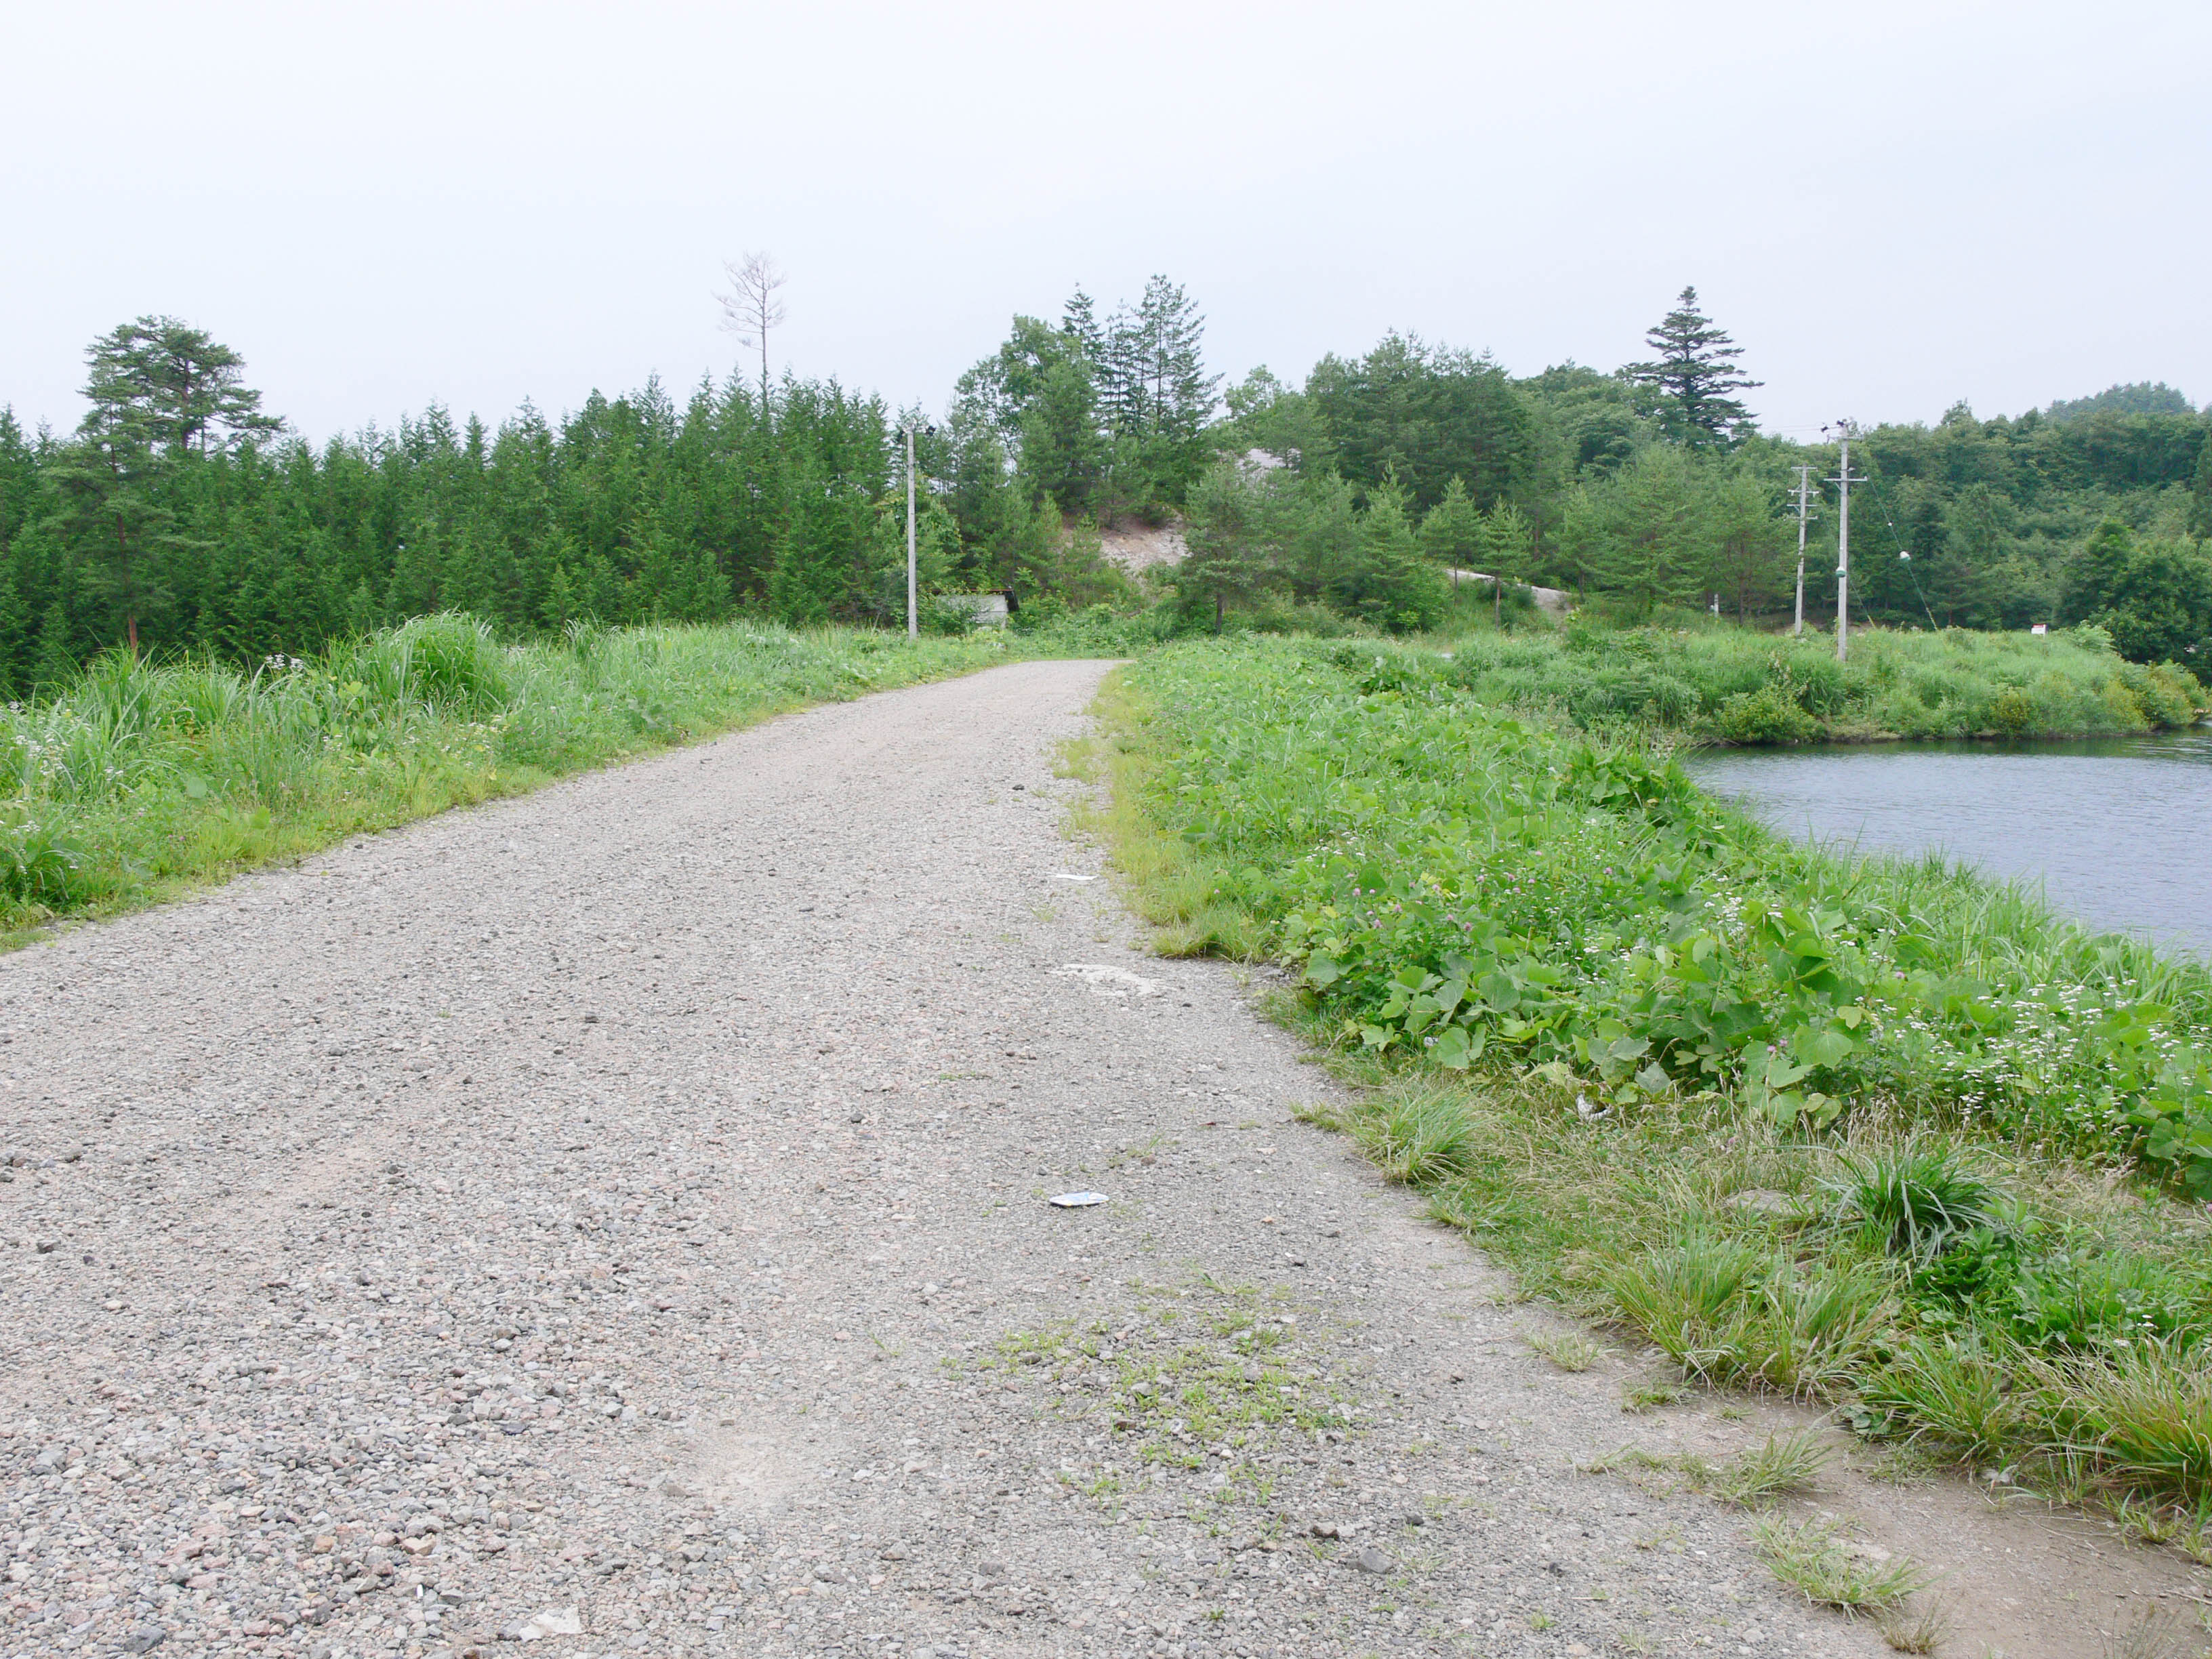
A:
x,y
2117,831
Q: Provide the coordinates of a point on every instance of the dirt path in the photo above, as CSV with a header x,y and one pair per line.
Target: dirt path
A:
x,y
630,1200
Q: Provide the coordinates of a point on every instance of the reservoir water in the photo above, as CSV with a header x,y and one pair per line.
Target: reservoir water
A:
x,y
2117,831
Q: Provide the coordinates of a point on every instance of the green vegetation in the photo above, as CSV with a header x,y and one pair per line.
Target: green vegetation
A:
x,y
1855,1131
1732,685
136,781
180,517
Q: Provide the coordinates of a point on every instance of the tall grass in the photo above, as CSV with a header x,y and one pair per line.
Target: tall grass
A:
x,y
137,779
1731,684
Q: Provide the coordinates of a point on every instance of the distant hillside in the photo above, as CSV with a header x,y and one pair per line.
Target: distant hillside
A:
x,y
2143,397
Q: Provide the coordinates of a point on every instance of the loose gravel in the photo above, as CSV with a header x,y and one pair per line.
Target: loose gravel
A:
x,y
618,1220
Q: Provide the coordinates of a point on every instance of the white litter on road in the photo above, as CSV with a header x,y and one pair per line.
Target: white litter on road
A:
x,y
1063,875
554,1621
1076,1200
1106,980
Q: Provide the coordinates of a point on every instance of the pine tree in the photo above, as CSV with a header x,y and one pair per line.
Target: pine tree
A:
x,y
184,385
1226,532
1650,546
1747,546
1388,583
1121,380
1452,532
113,483
1508,551
1693,378
1179,395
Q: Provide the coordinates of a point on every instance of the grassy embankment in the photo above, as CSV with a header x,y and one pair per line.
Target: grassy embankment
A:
x,y
1718,682
1874,1134
137,781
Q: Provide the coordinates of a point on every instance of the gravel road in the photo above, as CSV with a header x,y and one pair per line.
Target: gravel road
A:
x,y
617,1218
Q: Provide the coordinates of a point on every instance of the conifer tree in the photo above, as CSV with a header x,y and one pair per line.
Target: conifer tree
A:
x,y
2201,490
1693,378
1227,533
1452,533
1078,320
1388,583
15,635
1648,548
53,664
1509,550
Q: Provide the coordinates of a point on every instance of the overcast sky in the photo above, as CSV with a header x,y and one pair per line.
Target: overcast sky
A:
x,y
1891,206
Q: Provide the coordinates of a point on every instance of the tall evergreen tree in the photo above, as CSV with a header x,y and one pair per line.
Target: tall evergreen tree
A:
x,y
1078,320
1693,377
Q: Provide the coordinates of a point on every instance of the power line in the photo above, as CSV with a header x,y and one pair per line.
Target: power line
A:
x,y
1881,505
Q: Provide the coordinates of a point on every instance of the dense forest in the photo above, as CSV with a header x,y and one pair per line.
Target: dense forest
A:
x,y
182,517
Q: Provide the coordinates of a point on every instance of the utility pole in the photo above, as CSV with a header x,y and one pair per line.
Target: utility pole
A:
x,y
1843,481
1804,485
913,615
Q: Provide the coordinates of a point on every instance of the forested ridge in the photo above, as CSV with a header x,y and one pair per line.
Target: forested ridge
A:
x,y
182,517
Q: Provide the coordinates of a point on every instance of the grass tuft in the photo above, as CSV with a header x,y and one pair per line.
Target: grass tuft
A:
x,y
1917,1198
1813,1559
1917,1625
2154,1633
1414,1135
1641,1397
1570,1351
1750,1480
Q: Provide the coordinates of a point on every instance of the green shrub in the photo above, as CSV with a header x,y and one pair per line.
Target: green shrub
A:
x,y
1766,715
2012,712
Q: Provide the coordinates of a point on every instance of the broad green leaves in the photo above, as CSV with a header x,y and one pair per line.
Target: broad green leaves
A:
x,y
1476,890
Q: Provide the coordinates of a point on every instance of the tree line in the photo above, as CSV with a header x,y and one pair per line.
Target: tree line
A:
x,y
1650,490
181,516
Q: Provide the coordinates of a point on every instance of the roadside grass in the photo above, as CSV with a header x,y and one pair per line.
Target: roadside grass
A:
x,y
1706,1088
139,781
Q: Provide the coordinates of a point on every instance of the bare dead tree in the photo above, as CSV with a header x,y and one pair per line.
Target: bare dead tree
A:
x,y
750,309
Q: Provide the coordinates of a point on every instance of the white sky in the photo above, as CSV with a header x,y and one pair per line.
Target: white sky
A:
x,y
1890,205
